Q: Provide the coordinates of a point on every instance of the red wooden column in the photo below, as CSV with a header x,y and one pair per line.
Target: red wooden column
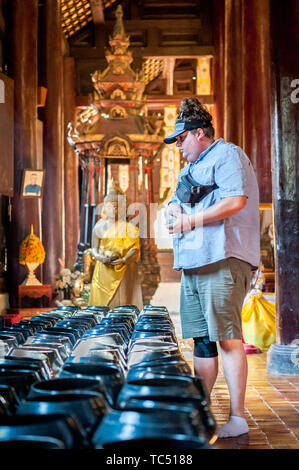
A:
x,y
241,81
257,96
228,69
53,198
283,357
233,71
23,33
71,164
218,66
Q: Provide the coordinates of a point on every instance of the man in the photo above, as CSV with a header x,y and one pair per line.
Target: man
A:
x,y
33,188
216,244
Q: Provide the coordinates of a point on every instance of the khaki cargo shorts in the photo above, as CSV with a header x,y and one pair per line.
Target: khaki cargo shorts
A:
x,y
212,298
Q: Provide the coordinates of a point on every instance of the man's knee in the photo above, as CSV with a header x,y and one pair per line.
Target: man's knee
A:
x,y
203,347
230,344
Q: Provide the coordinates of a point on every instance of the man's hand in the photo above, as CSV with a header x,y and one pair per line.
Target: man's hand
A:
x,y
173,210
220,210
181,223
176,220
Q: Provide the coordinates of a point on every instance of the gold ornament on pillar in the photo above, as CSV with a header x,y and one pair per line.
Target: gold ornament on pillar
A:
x,y
32,254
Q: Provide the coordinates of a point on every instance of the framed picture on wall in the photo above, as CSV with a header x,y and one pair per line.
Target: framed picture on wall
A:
x,y
32,183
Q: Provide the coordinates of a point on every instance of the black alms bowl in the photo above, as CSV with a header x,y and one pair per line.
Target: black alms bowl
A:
x,y
120,428
108,373
58,426
10,396
167,386
20,380
31,442
66,385
87,407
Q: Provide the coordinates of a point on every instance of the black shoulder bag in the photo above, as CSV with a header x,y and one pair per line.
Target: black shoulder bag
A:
x,y
189,191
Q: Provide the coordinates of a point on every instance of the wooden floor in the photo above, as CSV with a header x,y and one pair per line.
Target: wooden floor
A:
x,y
272,409
271,404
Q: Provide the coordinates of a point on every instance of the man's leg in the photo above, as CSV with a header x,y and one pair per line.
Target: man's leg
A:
x,y
235,368
207,369
206,361
222,288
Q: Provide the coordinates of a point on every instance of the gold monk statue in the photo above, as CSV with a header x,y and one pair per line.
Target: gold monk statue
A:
x,y
116,247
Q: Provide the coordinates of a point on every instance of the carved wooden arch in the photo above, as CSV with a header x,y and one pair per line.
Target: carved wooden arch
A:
x,y
118,93
117,146
118,112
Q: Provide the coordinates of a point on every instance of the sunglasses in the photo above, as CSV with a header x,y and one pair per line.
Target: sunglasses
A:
x,y
180,138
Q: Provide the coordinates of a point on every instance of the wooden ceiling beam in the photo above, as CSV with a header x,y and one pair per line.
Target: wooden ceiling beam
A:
x,y
183,52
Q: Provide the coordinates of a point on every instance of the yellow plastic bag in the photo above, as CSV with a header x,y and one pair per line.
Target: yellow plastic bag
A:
x,y
258,320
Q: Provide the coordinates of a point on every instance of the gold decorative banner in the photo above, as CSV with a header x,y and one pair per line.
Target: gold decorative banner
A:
x,y
170,158
123,177
203,79
140,172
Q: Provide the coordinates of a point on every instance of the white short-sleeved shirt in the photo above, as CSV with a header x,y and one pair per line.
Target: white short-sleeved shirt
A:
x,y
229,167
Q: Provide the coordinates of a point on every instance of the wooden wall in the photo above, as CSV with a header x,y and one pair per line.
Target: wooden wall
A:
x,y
6,135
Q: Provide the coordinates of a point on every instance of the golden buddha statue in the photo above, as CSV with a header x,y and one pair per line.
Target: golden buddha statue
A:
x,y
116,248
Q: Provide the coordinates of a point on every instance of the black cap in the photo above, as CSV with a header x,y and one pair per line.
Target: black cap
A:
x,y
180,127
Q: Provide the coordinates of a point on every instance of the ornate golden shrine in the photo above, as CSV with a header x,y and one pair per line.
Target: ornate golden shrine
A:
x,y
114,138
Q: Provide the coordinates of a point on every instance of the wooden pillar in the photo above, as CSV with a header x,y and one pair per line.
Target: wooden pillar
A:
x,y
233,71
257,97
23,33
218,67
241,82
71,171
283,357
228,69
53,200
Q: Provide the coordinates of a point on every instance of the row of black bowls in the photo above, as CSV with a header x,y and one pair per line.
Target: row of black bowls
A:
x,y
121,382
40,347
161,404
